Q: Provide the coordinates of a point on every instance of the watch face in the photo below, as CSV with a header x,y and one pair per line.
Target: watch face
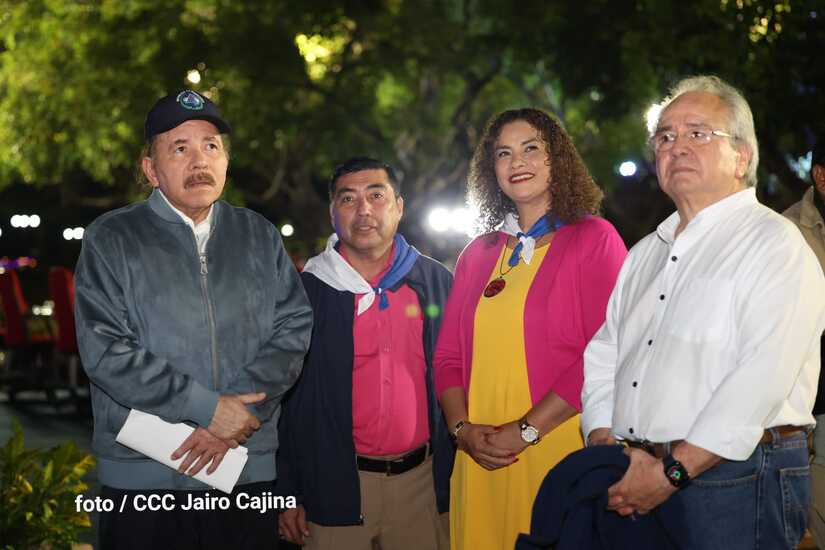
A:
x,y
674,473
529,434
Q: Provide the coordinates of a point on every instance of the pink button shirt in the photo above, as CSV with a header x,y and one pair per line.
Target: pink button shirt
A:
x,y
389,392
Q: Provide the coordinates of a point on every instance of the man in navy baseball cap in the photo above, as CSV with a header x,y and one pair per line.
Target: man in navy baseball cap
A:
x,y
188,309
185,156
177,108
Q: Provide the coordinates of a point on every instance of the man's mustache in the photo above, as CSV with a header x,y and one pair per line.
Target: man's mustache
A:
x,y
199,177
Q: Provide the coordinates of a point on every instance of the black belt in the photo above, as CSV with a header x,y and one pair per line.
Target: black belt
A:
x,y
661,450
396,466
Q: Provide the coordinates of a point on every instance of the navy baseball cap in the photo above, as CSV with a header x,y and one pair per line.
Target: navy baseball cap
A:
x,y
177,108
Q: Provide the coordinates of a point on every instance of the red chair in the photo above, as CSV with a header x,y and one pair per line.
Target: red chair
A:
x,y
61,290
2,323
27,339
14,309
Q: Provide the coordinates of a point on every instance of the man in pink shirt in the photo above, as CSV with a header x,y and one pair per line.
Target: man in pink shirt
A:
x,y
364,446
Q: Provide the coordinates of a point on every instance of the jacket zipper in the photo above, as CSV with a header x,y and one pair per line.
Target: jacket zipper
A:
x,y
210,314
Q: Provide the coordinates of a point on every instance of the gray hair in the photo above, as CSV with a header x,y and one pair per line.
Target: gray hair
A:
x,y
740,118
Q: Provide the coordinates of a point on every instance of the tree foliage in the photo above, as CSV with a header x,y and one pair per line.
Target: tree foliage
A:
x,y
306,85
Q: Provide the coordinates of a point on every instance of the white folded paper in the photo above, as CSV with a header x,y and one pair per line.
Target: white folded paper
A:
x,y
158,439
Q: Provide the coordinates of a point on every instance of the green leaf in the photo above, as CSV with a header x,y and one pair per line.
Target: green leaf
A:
x,y
38,491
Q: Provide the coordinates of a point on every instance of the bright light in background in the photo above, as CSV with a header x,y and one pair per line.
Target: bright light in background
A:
x,y
627,168
193,76
287,230
47,308
800,165
23,221
73,233
459,220
462,220
439,219
1,231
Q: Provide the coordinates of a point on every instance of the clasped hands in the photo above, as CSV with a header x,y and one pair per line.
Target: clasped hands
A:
x,y
231,425
643,486
492,447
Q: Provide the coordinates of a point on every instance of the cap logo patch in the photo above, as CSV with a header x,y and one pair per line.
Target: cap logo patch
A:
x,y
190,100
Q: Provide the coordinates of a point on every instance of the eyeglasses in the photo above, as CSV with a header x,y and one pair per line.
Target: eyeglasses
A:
x,y
663,140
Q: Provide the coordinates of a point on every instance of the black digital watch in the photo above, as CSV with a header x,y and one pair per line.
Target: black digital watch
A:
x,y
675,473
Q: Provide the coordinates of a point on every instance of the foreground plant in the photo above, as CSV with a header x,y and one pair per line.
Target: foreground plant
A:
x,y
37,491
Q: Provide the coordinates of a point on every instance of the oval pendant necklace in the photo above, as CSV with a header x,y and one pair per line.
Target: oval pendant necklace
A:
x,y
495,286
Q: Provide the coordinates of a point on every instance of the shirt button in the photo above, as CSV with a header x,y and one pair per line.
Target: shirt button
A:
x,y
635,384
631,430
661,296
673,258
650,342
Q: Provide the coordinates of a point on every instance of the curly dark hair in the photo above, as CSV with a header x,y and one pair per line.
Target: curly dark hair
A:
x,y
573,193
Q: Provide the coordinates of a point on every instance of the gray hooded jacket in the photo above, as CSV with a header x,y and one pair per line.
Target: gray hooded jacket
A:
x,y
165,330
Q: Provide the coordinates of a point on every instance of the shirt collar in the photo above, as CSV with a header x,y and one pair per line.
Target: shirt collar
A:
x,y
204,225
811,209
708,216
375,280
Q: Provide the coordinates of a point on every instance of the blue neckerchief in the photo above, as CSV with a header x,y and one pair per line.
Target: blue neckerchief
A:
x,y
541,228
403,259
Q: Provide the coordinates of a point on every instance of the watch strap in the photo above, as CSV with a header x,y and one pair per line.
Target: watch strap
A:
x,y
675,472
457,428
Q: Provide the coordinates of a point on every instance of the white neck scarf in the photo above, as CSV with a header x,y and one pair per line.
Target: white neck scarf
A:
x,y
510,226
334,270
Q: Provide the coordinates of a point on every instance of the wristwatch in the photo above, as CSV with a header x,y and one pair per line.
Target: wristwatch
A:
x,y
529,433
675,473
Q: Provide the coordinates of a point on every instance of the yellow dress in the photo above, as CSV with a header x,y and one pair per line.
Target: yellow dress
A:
x,y
489,508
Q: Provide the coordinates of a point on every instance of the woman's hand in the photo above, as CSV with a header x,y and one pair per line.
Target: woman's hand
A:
x,y
473,440
508,438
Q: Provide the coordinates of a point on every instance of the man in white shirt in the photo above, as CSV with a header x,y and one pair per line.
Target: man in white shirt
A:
x,y
708,359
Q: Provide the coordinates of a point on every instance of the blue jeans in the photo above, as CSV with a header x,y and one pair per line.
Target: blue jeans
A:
x,y
757,504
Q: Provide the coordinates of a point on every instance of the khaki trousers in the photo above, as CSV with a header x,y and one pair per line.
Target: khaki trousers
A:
x,y
399,513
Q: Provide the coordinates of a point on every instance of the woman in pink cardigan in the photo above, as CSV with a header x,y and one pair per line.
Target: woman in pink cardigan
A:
x,y
528,296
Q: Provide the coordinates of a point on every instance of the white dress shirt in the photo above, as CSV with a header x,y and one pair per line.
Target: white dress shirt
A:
x,y
712,336
202,230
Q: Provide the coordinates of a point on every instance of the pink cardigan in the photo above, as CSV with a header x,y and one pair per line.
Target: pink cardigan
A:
x,y
565,307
